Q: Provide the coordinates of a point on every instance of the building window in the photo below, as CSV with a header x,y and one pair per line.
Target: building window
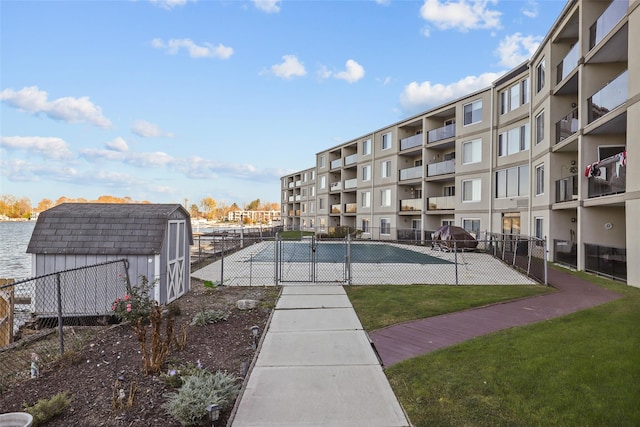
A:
x,y
312,207
473,112
365,225
386,141
304,177
311,223
539,180
385,197
539,228
448,222
304,208
366,172
525,90
313,175
514,97
472,225
539,127
322,163
513,141
365,199
540,75
323,182
366,147
448,190
471,190
472,151
385,226
321,203
385,169
504,102
512,182
312,191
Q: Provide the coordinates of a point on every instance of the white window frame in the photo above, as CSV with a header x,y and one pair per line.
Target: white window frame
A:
x,y
322,163
321,203
385,197
385,226
475,146
366,147
538,227
472,230
386,142
366,173
385,169
540,75
474,107
476,190
365,199
323,182
365,225
540,179
540,127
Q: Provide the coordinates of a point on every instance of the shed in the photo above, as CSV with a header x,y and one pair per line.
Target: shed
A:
x,y
153,238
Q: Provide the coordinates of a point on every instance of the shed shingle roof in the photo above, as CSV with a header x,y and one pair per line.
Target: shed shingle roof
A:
x,y
104,228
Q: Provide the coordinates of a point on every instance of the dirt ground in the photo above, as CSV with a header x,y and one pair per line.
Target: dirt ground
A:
x,y
114,352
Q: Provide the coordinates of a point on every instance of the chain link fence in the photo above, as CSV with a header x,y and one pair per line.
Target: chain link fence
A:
x,y
43,317
343,256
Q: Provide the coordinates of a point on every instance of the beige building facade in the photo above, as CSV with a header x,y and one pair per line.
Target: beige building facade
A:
x,y
551,150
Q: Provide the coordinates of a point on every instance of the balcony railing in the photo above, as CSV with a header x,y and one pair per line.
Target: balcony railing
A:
x,y
351,159
335,186
411,173
408,205
605,23
567,189
291,199
441,203
298,198
336,209
448,131
298,183
565,252
350,208
292,184
567,126
441,168
610,176
606,260
568,63
411,142
609,97
350,183
336,163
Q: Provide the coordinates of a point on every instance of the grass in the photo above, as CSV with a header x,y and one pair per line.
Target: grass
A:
x,y
294,234
578,370
379,306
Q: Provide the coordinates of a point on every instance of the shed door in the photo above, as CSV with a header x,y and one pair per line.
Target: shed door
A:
x,y
176,260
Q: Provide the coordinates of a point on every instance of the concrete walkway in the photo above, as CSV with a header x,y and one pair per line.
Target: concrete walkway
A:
x,y
316,367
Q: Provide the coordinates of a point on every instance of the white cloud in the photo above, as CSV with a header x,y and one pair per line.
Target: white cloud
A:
x,y
118,144
384,2
169,4
49,147
268,6
353,73
416,96
154,159
463,15
516,48
68,109
206,50
289,67
530,9
148,130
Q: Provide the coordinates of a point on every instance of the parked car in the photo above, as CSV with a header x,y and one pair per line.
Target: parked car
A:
x,y
449,237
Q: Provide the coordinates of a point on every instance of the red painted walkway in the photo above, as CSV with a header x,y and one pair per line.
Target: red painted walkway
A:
x,y
410,339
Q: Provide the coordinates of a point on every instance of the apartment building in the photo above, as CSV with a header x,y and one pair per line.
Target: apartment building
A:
x,y
551,149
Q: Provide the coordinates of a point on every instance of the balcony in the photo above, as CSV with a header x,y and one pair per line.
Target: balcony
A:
x,y
298,197
448,131
610,177
411,142
567,126
609,97
349,160
568,63
411,205
565,252
605,23
411,173
291,198
350,183
606,260
298,183
567,189
441,168
336,209
441,203
336,163
350,208
290,213
292,184
335,186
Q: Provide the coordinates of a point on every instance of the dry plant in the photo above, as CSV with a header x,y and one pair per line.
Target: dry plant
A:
x,y
154,359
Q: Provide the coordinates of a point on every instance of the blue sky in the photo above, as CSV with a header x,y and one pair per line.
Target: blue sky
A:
x,y
167,100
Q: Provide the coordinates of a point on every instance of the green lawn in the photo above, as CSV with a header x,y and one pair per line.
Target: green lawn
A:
x,y
578,370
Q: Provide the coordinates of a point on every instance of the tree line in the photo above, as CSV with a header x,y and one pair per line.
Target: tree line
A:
x,y
208,208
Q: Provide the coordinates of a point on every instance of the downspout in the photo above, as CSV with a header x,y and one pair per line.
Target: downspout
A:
x,y
531,143
491,141
373,161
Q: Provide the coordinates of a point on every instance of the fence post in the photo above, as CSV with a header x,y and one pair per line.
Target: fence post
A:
x,y
348,266
276,246
455,258
544,260
60,332
222,262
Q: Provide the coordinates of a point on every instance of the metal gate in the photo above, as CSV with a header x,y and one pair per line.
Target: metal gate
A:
x,y
309,260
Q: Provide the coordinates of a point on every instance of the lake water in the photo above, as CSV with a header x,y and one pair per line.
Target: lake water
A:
x,y
15,262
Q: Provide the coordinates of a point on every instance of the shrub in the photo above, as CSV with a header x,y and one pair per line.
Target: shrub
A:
x,y
136,304
175,374
46,409
189,404
208,316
